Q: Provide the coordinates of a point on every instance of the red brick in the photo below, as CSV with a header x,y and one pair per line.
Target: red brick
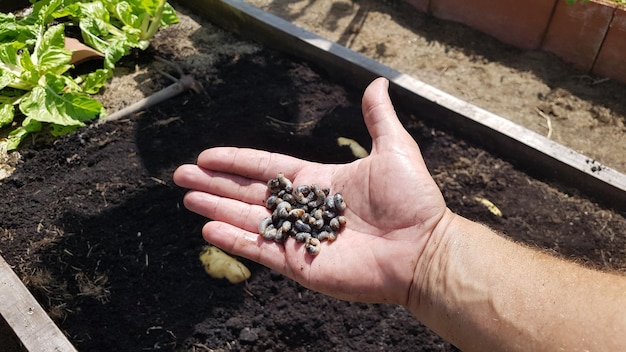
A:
x,y
611,61
519,23
421,5
576,31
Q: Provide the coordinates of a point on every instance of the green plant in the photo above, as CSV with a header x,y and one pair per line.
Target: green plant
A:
x,y
35,83
114,26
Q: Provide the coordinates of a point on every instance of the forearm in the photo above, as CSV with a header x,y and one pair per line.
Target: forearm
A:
x,y
483,292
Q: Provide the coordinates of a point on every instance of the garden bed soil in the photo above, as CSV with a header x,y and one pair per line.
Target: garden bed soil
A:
x,y
96,229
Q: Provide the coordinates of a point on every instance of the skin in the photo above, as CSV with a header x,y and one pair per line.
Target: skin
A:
x,y
402,245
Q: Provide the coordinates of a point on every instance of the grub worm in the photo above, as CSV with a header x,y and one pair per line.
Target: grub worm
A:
x,y
308,213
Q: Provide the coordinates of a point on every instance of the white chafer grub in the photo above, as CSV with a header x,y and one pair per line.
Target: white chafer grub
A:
x,y
313,246
340,205
283,209
302,237
265,223
308,213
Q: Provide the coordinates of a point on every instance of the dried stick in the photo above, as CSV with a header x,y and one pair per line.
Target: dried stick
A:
x,y
184,83
548,121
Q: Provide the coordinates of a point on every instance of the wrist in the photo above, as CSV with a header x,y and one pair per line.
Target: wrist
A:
x,y
449,285
454,289
431,264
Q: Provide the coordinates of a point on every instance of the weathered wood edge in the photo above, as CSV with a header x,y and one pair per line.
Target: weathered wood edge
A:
x,y
537,154
30,323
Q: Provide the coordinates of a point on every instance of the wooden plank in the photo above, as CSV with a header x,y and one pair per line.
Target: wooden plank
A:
x,y
538,155
26,317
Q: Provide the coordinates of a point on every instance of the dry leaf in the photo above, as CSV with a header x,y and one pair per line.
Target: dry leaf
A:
x,y
489,205
220,265
80,51
357,150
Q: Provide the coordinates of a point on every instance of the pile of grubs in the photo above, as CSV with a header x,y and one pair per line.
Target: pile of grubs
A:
x,y
308,213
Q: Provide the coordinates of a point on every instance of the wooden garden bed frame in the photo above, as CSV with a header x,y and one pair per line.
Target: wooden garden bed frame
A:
x,y
30,323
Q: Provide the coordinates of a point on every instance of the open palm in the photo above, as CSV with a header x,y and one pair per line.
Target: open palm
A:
x,y
393,206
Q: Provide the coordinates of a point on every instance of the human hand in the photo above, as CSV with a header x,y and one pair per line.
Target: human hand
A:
x,y
393,208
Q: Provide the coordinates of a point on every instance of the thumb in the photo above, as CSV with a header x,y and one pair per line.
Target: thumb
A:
x,y
380,117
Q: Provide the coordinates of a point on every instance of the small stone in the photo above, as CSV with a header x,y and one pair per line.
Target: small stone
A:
x,y
248,335
234,323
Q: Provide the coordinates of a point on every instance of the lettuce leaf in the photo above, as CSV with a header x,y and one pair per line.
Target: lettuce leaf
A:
x,y
93,81
6,114
49,103
34,65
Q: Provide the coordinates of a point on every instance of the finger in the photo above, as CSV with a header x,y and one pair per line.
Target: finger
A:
x,y
221,184
381,118
240,214
255,164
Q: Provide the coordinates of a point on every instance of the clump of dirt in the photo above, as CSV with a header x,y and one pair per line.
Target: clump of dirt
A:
x,y
95,226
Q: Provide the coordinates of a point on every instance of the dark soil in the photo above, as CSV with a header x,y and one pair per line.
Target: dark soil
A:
x,y
96,229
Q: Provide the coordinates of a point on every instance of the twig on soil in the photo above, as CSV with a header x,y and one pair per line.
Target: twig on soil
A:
x,y
548,121
292,124
593,81
180,85
200,345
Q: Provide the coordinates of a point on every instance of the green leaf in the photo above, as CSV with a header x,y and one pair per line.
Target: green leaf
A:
x,y
11,68
16,30
114,52
96,80
96,12
169,15
16,136
93,33
148,6
81,106
8,54
6,18
55,84
6,77
29,76
49,54
45,103
124,12
31,125
7,111
43,10
69,9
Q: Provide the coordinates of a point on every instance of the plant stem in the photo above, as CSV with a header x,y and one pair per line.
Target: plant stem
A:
x,y
156,22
